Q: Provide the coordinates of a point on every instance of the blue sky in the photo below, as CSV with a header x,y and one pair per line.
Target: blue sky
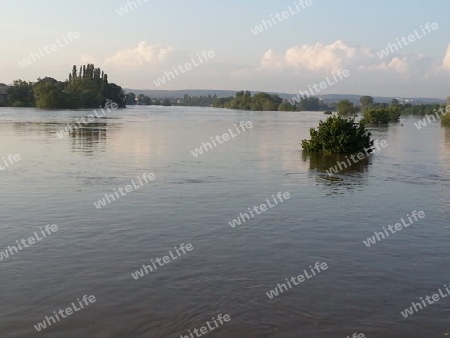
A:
x,y
141,45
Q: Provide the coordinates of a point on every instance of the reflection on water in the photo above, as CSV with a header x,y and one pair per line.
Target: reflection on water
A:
x,y
90,137
349,178
34,128
447,139
445,160
87,138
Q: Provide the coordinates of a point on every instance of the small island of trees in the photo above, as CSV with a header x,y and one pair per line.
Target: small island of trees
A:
x,y
341,135
338,135
244,100
86,88
382,113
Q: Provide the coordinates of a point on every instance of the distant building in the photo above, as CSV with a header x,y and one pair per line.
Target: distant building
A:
x,y
3,92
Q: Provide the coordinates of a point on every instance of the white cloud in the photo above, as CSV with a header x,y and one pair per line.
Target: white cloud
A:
x,y
446,62
322,58
146,62
299,66
398,64
143,54
271,60
316,57
406,64
288,70
331,57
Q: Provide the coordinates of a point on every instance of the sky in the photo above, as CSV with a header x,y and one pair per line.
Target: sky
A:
x,y
313,41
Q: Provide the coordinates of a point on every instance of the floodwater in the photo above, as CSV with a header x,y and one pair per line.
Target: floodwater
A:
x,y
192,200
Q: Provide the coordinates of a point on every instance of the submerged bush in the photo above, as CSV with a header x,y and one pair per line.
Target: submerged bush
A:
x,y
338,135
381,115
445,120
346,108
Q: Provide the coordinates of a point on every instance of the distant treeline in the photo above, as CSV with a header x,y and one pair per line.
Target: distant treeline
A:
x,y
143,100
268,102
86,88
199,101
367,102
242,100
383,113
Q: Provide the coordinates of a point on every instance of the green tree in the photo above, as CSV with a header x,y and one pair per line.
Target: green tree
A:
x,y
49,94
366,101
113,92
311,103
87,89
245,101
20,94
285,106
74,72
338,135
381,116
270,106
144,100
445,120
346,108
131,99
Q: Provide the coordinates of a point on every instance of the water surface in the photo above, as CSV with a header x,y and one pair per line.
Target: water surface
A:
x,y
192,200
